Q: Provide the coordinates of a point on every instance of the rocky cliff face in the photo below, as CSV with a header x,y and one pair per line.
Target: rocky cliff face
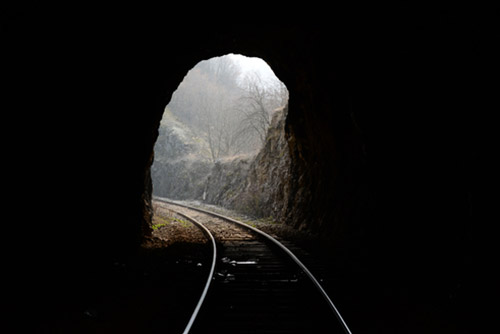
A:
x,y
225,181
180,169
257,185
265,190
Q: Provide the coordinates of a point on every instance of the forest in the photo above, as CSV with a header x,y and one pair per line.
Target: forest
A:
x,y
227,105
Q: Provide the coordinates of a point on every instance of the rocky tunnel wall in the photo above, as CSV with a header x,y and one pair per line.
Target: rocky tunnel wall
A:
x,y
380,131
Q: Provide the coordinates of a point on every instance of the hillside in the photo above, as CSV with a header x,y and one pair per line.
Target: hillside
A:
x,y
251,184
181,163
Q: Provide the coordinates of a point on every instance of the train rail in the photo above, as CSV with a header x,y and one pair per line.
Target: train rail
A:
x,y
256,284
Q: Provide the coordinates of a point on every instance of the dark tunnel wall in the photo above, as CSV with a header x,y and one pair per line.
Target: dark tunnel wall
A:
x,y
382,128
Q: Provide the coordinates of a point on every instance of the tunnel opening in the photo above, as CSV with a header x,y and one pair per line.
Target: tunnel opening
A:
x,y
221,138
405,190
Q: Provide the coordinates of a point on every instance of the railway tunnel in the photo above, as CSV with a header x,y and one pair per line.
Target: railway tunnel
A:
x,y
222,138
380,166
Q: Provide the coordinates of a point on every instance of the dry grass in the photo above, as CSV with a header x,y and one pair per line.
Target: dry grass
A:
x,y
169,228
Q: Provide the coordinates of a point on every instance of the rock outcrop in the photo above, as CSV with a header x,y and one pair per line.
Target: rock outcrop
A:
x,y
256,185
180,169
265,190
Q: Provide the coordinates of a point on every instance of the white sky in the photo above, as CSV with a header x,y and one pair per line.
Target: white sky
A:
x,y
254,64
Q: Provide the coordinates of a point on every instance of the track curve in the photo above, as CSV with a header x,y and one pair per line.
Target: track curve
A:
x,y
210,274
259,285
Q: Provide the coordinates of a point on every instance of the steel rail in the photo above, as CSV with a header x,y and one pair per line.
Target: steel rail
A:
x,y
282,247
210,275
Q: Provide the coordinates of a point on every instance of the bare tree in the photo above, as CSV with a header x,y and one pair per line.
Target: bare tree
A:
x,y
204,100
217,96
258,102
232,115
223,70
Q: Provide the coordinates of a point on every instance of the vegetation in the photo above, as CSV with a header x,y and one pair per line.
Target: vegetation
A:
x,y
161,221
184,223
218,121
157,226
231,110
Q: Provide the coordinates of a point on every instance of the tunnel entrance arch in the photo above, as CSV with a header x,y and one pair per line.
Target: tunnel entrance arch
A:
x,y
223,116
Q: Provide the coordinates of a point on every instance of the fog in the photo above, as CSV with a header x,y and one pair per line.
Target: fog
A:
x,y
214,126
227,103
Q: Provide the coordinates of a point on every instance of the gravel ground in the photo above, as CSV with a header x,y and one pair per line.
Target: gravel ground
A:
x,y
307,241
170,228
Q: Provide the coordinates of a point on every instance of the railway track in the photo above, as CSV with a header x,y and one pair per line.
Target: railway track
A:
x,y
256,284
